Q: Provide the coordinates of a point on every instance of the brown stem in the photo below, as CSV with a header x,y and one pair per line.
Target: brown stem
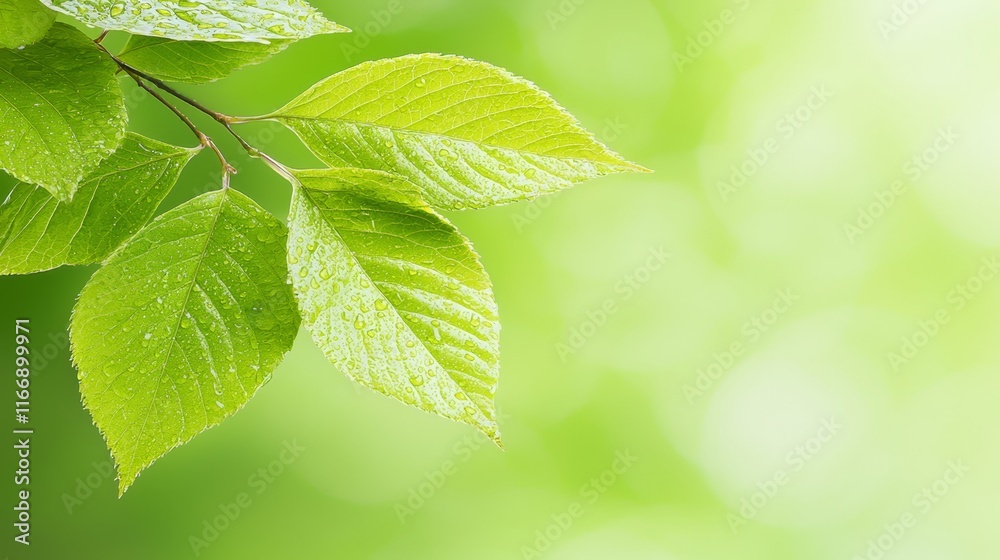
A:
x,y
222,119
205,141
141,78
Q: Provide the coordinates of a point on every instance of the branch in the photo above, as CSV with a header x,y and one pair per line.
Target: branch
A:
x,y
205,141
217,116
143,80
224,120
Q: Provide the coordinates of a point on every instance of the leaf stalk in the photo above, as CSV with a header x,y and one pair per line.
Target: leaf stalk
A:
x,y
146,82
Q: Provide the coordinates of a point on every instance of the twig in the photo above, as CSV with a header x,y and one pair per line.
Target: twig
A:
x,y
225,120
205,141
217,116
141,78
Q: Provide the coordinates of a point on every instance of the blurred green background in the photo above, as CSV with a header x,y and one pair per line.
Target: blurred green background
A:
x,y
811,373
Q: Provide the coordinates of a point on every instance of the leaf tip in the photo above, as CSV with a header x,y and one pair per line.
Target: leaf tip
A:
x,y
636,168
490,428
622,165
125,480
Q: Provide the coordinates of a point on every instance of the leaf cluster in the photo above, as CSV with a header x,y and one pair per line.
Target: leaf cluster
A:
x,y
192,310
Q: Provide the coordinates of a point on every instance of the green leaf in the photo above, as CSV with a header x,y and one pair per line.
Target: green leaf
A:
x,y
257,21
469,134
194,62
393,294
61,110
22,22
182,326
38,232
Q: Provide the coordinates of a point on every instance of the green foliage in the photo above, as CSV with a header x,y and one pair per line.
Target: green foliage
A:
x,y
469,134
22,22
182,325
190,313
393,294
61,110
194,62
256,21
39,232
